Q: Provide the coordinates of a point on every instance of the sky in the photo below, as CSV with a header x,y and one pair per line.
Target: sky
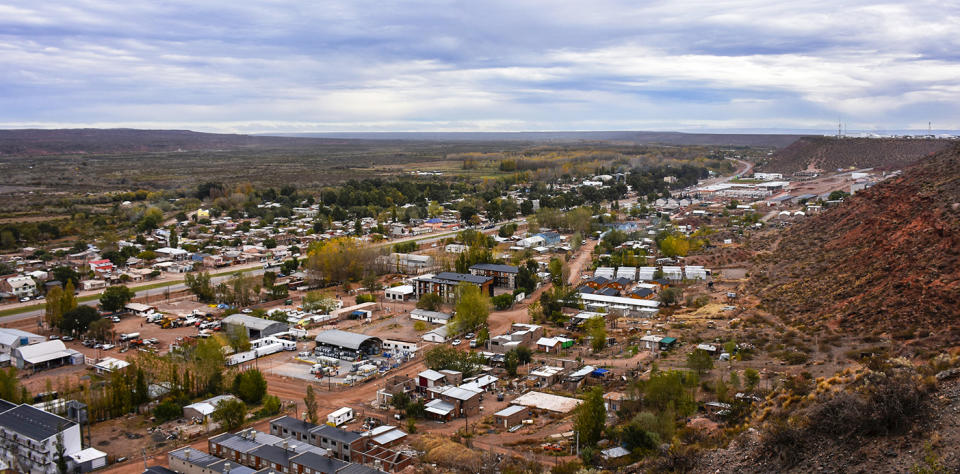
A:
x,y
516,65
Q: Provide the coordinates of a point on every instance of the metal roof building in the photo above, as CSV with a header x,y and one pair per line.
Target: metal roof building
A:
x,y
257,328
349,341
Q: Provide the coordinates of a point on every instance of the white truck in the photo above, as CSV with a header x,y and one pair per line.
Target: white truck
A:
x,y
339,417
129,337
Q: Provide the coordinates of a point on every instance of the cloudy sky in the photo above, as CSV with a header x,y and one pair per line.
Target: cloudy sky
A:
x,y
298,66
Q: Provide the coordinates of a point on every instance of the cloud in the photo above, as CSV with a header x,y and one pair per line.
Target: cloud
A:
x,y
431,65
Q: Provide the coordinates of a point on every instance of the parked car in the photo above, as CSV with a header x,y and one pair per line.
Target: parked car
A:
x,y
456,342
54,337
470,335
107,347
67,338
24,299
246,311
115,319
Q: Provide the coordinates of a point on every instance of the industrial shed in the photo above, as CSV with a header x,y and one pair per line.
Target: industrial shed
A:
x,y
45,355
257,328
349,341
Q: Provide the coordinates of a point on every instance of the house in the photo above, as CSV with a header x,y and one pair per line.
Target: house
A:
x,y
429,379
193,461
504,276
172,253
201,410
399,293
109,365
613,401
547,376
407,263
510,416
341,444
455,248
102,266
237,446
445,284
457,402
520,335
554,344
20,286
87,285
438,335
140,309
531,242
434,317
31,437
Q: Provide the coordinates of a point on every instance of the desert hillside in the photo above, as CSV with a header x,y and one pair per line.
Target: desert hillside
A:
x,y
888,260
829,153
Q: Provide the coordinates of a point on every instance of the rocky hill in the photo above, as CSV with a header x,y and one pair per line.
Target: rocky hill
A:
x,y
830,153
887,260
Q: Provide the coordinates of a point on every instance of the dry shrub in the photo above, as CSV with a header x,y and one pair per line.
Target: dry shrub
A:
x,y
444,452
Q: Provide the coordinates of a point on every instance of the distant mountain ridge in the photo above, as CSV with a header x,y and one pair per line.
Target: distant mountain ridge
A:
x,y
831,153
638,137
38,142
121,140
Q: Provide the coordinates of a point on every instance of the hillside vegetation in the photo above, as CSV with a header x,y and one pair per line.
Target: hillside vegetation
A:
x,y
888,260
830,153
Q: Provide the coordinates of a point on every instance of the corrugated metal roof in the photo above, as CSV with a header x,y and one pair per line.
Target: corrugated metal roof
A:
x,y
345,339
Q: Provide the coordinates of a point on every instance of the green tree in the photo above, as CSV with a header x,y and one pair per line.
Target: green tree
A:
x,y
61,453
10,388
596,328
752,378
503,302
230,413
68,301
511,362
65,274
400,400
699,361
200,286
319,301
250,386
590,417
310,404
167,410
115,298
271,406
237,338
100,330
77,320
671,296
472,308
430,302
53,311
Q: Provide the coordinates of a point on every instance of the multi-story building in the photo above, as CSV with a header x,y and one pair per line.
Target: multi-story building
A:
x,y
504,276
445,284
29,438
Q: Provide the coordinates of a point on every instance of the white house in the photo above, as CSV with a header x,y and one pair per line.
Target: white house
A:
x,y
399,293
437,335
434,317
22,286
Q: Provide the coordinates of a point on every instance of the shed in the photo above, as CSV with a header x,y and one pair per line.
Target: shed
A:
x,y
257,328
510,416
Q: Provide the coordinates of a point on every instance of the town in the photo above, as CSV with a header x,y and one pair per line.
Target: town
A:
x,y
384,325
